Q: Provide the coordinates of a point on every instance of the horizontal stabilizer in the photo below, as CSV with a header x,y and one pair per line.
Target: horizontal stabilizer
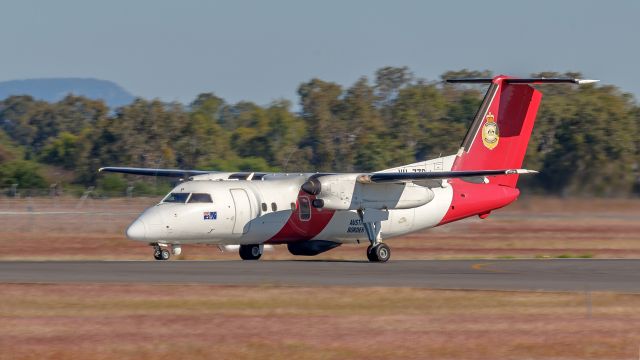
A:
x,y
523,81
154,172
410,176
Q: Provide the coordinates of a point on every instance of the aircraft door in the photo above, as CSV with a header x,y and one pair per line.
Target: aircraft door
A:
x,y
243,211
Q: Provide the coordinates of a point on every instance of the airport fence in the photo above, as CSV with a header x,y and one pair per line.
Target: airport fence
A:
x,y
59,210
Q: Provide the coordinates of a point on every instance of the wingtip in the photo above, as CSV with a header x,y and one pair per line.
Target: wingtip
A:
x,y
586,81
526,171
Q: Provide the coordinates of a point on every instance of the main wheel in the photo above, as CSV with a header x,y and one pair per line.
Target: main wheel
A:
x,y
250,252
379,253
370,255
157,254
165,254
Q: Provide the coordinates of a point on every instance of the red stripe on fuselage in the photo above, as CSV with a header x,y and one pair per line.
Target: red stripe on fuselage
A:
x,y
296,229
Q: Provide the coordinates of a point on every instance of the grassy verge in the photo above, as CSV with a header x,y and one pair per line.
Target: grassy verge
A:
x,y
197,322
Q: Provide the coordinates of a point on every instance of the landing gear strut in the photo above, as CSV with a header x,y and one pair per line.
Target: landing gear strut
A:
x,y
372,222
251,252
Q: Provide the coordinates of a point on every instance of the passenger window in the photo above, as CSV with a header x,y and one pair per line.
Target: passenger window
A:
x,y
176,198
200,198
305,208
264,207
274,207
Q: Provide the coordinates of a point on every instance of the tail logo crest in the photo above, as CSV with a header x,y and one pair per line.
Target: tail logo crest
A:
x,y
490,132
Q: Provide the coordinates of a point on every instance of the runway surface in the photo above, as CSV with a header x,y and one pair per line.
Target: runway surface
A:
x,y
563,275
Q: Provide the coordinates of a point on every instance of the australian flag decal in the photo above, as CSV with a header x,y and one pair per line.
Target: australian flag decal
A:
x,y
210,215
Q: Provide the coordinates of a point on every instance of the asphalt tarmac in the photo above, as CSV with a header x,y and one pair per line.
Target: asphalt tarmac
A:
x,y
552,275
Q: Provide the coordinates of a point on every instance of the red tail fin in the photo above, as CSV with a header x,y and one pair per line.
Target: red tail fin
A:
x,y
499,135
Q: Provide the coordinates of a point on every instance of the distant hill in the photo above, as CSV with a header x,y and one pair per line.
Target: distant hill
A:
x,y
54,89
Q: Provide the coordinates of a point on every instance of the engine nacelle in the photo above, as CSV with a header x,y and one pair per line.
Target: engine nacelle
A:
x,y
344,192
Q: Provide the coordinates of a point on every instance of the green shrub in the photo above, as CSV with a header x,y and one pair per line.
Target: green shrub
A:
x,y
25,173
160,187
111,184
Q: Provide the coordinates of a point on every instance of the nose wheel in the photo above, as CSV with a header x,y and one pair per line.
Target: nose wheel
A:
x,y
161,253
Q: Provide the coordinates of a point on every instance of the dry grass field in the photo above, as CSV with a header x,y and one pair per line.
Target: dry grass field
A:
x,y
67,228
197,322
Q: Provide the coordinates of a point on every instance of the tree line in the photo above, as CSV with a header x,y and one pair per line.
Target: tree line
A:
x,y
586,140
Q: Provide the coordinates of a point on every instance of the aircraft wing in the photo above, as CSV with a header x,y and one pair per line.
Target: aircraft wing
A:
x,y
436,175
154,172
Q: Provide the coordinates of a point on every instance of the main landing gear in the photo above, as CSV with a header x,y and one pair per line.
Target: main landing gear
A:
x,y
164,251
378,253
251,252
372,222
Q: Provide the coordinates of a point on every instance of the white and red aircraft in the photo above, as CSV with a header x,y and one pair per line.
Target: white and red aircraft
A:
x,y
313,213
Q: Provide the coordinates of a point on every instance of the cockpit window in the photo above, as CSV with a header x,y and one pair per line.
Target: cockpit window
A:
x,y
200,198
176,198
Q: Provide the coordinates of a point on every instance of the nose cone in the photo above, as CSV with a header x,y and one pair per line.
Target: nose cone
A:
x,y
137,230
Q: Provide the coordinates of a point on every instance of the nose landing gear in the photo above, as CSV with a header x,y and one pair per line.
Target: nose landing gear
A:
x,y
162,252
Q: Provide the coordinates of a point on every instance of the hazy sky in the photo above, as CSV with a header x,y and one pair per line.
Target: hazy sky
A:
x,y
262,50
